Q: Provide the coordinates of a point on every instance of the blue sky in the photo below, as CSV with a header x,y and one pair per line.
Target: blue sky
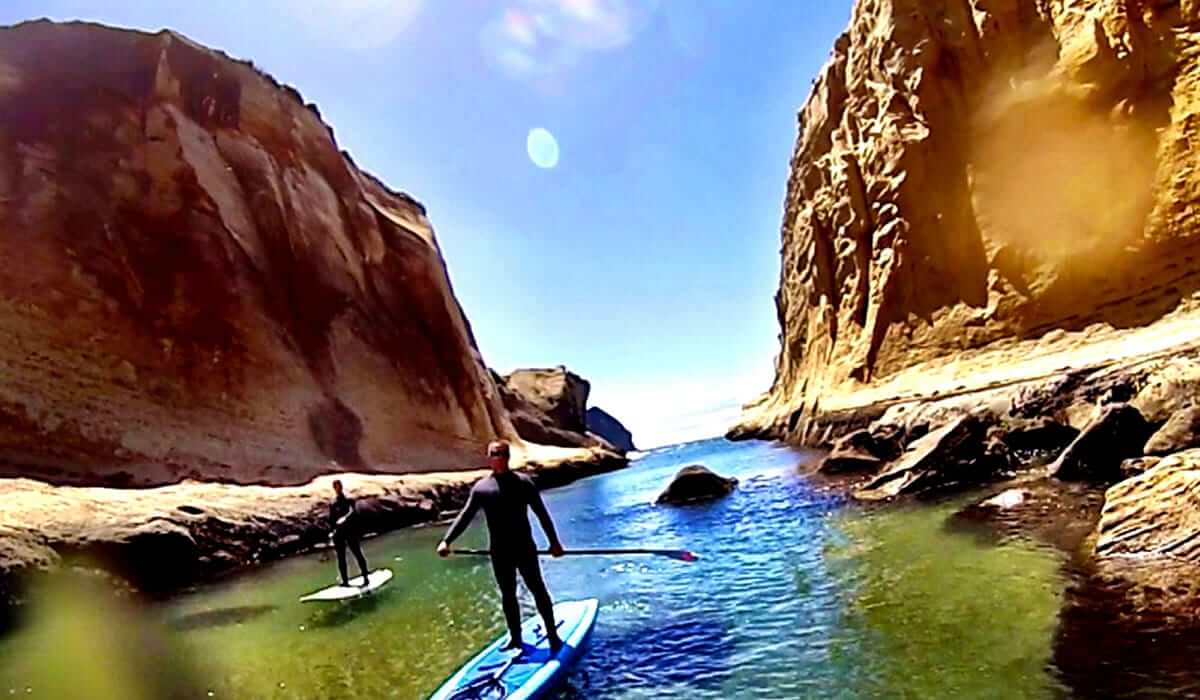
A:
x,y
647,257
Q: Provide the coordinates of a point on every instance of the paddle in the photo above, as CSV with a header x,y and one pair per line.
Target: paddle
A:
x,y
676,554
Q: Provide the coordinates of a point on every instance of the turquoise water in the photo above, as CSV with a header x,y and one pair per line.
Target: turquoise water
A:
x,y
797,594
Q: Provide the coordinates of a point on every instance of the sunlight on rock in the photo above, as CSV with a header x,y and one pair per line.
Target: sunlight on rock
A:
x,y
542,148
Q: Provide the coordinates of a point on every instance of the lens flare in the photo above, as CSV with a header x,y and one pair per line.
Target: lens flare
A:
x,y
542,148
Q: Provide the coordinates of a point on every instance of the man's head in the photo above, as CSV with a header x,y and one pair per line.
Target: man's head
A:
x,y
337,487
497,453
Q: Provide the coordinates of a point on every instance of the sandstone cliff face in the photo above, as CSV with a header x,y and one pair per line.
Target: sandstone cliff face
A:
x,y
198,284
983,182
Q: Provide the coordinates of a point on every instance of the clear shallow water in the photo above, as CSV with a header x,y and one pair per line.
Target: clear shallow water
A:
x,y
796,595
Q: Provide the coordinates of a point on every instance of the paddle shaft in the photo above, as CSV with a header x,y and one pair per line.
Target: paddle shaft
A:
x,y
677,554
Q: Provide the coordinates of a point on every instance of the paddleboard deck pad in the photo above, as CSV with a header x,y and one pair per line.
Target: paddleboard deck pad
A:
x,y
375,580
531,673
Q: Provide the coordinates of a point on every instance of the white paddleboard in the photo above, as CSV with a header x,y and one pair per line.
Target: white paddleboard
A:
x,y
375,580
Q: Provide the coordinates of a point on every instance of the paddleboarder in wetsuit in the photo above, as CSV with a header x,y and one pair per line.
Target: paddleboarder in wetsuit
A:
x,y
343,519
506,498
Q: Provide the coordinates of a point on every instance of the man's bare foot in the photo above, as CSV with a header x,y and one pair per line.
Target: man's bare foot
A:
x,y
555,644
514,645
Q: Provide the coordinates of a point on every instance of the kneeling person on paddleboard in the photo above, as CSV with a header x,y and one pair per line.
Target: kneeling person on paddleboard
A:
x,y
506,498
343,519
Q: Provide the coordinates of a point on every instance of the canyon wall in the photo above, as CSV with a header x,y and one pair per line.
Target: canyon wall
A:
x,y
977,184
198,284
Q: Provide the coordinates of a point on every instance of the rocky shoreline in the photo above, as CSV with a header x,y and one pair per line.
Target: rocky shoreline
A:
x,y
1100,462
158,541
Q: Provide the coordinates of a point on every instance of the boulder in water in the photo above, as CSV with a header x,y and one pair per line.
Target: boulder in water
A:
x,y
1181,432
694,484
863,450
1031,436
849,461
1117,434
956,453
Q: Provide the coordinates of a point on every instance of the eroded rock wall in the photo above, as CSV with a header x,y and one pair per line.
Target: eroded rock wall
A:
x,y
972,174
197,283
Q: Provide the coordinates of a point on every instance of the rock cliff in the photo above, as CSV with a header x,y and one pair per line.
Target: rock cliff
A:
x,y
199,284
605,425
557,392
549,407
981,191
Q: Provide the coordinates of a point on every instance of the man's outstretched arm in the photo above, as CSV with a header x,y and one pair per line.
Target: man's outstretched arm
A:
x,y
465,516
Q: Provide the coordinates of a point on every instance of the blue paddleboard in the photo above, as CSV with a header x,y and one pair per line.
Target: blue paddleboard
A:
x,y
532,672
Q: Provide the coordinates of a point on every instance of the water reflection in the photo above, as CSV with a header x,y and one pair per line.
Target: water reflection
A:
x,y
1123,634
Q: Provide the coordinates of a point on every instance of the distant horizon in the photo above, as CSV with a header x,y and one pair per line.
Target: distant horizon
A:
x,y
605,178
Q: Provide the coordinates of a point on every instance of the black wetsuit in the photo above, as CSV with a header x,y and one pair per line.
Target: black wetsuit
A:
x,y
506,499
346,535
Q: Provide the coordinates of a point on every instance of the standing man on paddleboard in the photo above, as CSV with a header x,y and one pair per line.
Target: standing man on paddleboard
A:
x,y
343,519
506,498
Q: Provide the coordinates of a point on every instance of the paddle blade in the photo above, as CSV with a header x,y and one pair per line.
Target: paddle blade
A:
x,y
684,555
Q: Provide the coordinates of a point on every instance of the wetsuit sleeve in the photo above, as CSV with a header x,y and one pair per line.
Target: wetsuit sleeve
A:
x,y
463,520
539,509
351,511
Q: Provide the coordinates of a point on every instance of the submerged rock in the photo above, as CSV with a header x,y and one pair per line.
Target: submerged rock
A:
x,y
1155,513
1117,434
694,484
1006,499
1181,432
1062,514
